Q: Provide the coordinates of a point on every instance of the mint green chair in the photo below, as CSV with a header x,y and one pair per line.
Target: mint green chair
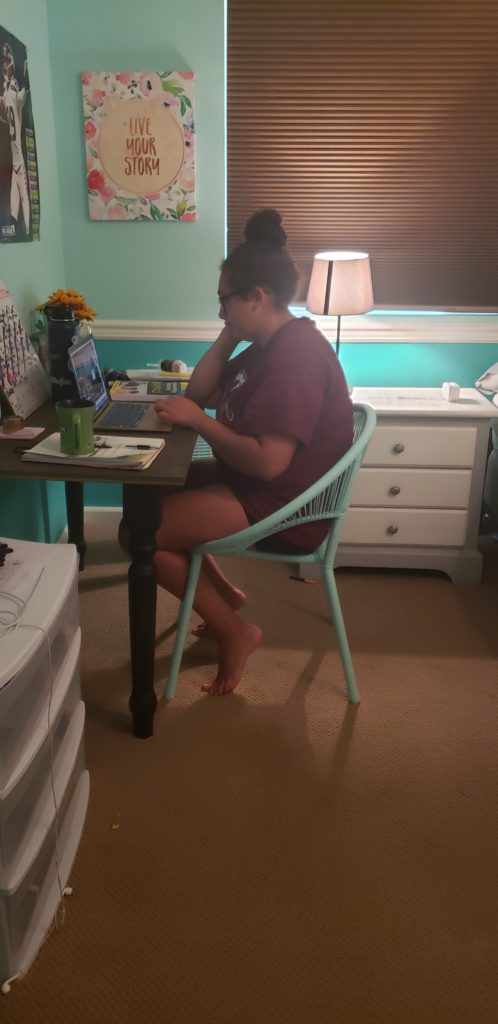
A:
x,y
327,499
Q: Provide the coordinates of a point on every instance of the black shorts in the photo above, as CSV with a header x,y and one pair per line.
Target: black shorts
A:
x,y
281,546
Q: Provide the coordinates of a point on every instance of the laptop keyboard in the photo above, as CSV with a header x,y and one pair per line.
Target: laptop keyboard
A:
x,y
122,414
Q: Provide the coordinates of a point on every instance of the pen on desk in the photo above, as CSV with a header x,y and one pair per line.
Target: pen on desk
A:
x,y
143,447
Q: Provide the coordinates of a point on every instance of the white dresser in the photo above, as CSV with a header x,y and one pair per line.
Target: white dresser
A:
x,y
417,499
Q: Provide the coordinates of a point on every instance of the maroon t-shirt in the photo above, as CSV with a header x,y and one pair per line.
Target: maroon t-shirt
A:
x,y
293,386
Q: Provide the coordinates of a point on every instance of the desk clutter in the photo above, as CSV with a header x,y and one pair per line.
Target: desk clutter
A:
x,y
44,785
12,424
71,370
145,390
4,551
24,434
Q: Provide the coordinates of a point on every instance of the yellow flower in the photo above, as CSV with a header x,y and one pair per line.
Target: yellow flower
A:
x,y
69,297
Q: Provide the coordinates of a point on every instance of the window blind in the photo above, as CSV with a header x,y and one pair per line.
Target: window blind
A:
x,y
371,125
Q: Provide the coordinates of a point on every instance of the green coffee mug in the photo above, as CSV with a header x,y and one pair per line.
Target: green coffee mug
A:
x,y
76,426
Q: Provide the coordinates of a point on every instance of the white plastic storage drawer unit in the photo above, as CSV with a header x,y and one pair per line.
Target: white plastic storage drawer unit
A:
x,y
27,806
32,655
27,912
43,783
417,498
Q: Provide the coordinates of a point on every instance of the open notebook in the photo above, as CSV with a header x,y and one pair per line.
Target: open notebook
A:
x,y
118,452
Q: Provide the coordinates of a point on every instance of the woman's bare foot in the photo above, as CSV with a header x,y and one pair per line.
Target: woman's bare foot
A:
x,y
233,652
235,598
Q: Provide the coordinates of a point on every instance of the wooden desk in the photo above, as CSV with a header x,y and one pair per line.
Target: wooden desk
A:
x,y
141,508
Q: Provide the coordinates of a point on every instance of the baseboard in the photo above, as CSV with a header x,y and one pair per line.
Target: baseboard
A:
x,y
108,515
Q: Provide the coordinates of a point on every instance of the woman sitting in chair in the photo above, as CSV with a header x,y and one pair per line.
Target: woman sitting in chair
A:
x,y
283,418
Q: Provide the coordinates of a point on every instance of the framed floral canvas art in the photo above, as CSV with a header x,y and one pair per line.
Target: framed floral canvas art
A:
x,y
139,139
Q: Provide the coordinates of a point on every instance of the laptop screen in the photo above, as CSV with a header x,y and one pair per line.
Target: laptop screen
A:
x,y
88,375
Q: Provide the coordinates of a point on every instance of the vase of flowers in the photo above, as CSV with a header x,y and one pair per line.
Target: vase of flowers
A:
x,y
59,321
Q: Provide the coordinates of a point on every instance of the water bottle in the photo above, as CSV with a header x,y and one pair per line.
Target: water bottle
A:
x,y
61,331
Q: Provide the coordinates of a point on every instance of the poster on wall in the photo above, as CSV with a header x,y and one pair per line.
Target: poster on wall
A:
x,y
139,137
19,186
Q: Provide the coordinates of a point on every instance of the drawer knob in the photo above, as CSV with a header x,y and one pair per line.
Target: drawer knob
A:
x,y
392,530
398,448
394,490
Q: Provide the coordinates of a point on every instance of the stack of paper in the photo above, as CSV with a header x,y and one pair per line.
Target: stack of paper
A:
x,y
155,373
136,452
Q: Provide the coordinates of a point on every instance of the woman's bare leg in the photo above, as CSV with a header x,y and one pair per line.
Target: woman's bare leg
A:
x,y
232,595
204,473
190,518
201,473
235,597
236,638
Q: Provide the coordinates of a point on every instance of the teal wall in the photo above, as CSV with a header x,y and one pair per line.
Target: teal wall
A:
x,y
136,270
141,271
30,269
416,366
365,365
126,271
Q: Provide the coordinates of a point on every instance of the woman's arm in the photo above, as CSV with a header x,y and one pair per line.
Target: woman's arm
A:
x,y
205,380
263,457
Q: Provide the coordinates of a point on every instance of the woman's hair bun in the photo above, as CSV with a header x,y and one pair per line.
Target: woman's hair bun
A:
x,y
265,228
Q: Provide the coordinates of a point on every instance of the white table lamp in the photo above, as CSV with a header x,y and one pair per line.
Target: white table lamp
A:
x,y
340,284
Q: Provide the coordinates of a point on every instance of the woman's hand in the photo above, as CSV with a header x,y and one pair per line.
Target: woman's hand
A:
x,y
228,338
263,457
180,410
203,386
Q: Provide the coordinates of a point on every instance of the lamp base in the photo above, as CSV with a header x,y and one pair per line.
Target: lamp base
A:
x,y
338,335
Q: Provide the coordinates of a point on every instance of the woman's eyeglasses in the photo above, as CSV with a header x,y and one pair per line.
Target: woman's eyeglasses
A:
x,y
223,299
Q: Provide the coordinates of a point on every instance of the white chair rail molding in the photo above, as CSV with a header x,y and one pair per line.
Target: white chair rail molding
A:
x,y
378,326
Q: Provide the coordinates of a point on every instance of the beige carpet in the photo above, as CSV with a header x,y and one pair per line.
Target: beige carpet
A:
x,y
276,855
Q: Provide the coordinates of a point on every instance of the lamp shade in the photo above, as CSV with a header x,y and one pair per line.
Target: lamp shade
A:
x,y
340,284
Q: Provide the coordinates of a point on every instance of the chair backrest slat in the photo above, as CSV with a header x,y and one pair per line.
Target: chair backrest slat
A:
x,y
329,503
327,499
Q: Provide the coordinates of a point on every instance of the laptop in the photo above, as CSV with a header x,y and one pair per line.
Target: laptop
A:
x,y
112,416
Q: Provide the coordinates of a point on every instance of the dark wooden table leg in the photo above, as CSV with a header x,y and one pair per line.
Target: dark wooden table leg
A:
x,y
75,518
141,511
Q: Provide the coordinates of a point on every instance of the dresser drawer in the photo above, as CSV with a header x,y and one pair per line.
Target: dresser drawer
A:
x,y
412,488
409,445
402,526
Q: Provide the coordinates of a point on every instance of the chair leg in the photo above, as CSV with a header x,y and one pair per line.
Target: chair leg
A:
x,y
338,621
182,626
